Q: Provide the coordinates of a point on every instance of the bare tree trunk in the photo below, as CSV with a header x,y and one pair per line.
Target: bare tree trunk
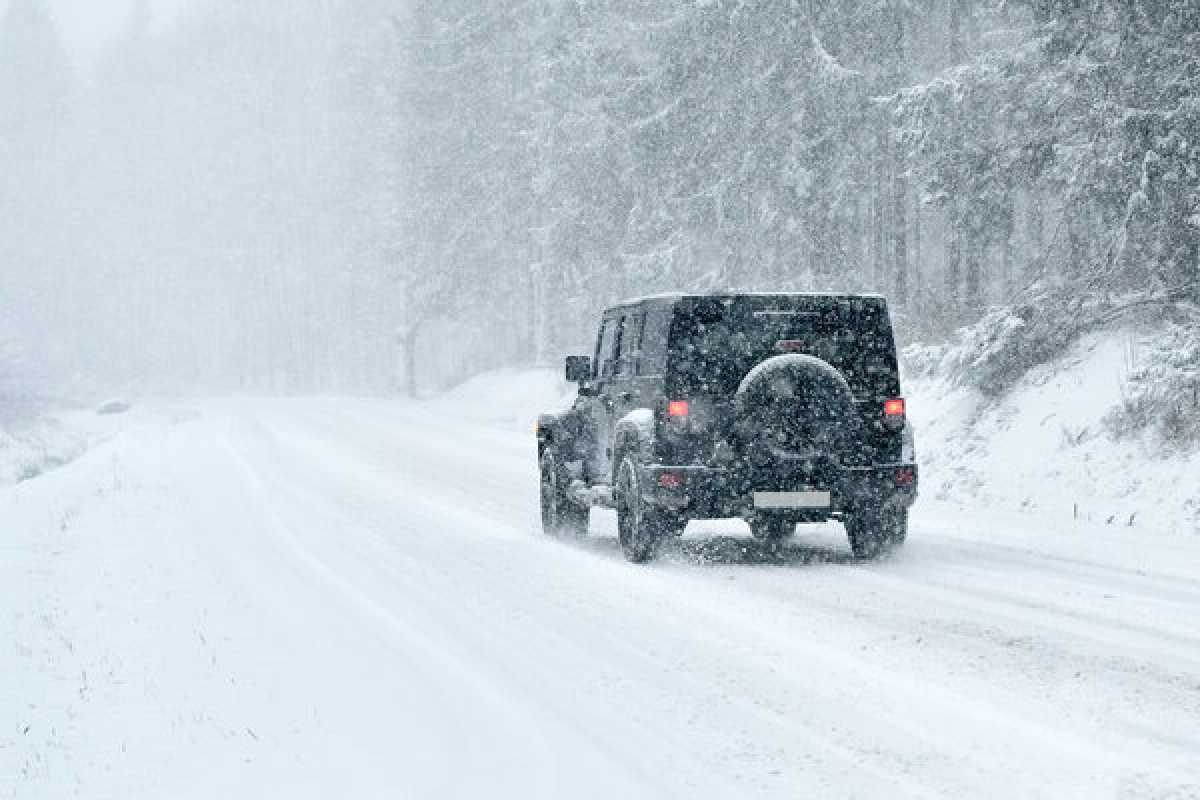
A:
x,y
957,52
917,244
537,287
955,208
1034,227
880,194
408,342
900,224
863,222
1076,247
973,262
1006,247
954,244
407,337
898,163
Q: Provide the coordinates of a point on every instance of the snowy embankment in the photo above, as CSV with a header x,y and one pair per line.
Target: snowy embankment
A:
x,y
1050,445
38,443
510,398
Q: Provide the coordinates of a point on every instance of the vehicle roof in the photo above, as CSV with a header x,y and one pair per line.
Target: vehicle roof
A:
x,y
671,297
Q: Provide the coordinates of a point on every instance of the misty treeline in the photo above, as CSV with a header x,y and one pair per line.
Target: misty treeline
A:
x,y
203,209
956,155
342,195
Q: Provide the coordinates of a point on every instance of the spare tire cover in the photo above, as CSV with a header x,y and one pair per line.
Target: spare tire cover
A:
x,y
793,407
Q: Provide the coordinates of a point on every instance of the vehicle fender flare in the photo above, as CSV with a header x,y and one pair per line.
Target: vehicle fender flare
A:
x,y
551,428
633,435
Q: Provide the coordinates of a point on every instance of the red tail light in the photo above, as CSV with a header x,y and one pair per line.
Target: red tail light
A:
x,y
670,480
905,476
677,408
893,407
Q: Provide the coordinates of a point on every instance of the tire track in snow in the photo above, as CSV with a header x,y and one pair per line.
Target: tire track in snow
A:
x,y
383,442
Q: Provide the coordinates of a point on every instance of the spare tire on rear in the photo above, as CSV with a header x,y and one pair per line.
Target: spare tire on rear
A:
x,y
793,407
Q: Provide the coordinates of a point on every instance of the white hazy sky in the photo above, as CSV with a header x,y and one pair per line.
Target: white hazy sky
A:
x,y
87,25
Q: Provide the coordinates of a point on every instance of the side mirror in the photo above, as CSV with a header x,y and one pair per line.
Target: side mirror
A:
x,y
579,368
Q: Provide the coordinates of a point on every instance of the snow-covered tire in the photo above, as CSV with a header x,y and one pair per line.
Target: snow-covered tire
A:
x,y
640,529
874,532
560,515
772,528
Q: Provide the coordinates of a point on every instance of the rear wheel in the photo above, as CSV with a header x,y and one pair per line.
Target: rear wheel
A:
x,y
560,515
874,532
641,529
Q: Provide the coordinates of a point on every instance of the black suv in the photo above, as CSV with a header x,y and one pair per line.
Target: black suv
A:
x,y
777,408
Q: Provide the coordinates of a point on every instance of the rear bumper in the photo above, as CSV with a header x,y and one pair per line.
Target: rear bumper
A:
x,y
716,492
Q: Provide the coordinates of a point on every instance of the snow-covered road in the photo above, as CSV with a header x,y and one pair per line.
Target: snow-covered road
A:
x,y
327,598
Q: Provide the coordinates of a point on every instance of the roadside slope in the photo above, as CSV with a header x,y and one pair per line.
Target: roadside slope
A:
x,y
1045,447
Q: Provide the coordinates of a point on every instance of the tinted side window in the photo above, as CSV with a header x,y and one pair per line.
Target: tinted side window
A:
x,y
629,343
606,349
653,359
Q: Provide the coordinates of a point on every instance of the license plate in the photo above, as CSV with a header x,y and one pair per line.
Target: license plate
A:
x,y
807,499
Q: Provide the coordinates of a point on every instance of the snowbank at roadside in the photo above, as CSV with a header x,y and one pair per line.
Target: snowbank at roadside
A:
x,y
32,446
509,398
1049,446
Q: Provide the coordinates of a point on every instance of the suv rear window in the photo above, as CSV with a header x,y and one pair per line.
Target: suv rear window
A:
x,y
715,341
